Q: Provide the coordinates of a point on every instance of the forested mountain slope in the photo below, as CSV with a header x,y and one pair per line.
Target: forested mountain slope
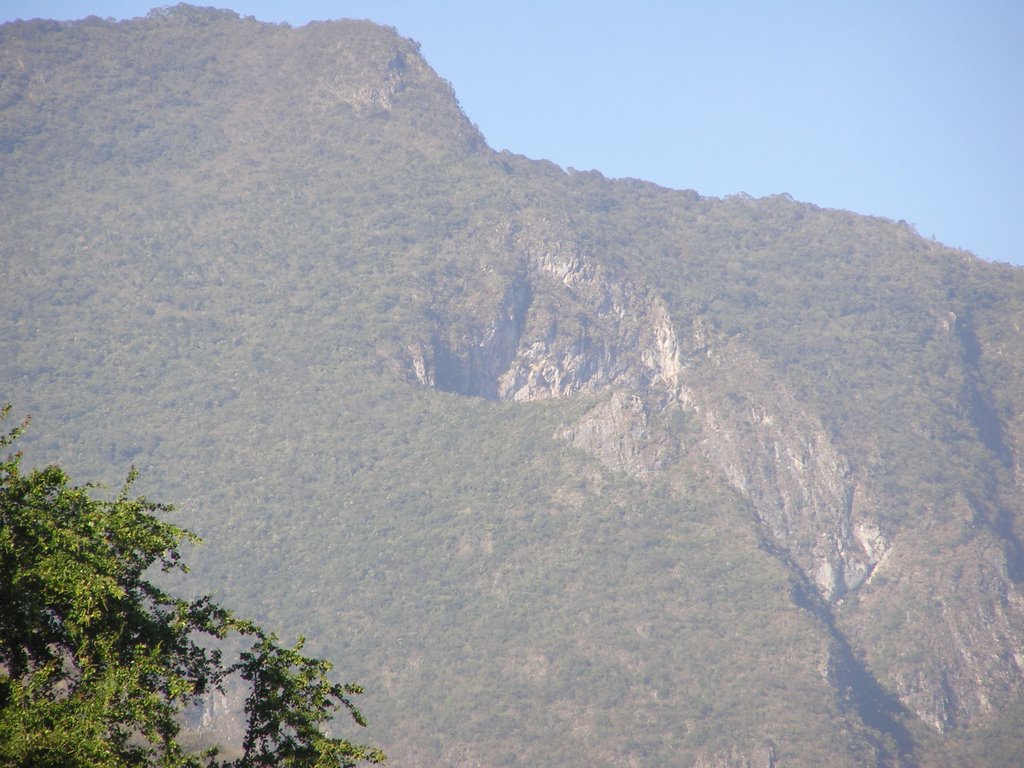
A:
x,y
563,469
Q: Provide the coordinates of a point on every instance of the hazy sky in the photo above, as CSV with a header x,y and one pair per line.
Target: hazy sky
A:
x,y
904,109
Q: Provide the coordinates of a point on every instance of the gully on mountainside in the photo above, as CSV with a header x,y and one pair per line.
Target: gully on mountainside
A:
x,y
566,325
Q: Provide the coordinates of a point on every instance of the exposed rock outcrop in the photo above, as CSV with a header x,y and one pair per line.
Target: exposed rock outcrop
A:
x,y
784,462
949,628
562,326
567,325
619,433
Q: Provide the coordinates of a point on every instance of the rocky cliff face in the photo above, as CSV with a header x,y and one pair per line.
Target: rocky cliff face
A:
x,y
568,325
562,326
782,460
945,624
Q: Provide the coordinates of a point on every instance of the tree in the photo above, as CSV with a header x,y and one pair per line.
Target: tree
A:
x,y
97,662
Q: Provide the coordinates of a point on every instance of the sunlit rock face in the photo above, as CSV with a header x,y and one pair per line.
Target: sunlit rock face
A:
x,y
567,326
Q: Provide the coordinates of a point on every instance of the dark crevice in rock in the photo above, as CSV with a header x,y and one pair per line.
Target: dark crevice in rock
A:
x,y
876,707
475,372
1001,524
983,416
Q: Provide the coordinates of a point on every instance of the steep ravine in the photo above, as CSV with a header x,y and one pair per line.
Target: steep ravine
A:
x,y
568,325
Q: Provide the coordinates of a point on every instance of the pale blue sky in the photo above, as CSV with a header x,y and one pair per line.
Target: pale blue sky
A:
x,y
904,109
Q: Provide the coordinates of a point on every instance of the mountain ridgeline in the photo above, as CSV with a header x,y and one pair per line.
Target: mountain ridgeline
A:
x,y
565,470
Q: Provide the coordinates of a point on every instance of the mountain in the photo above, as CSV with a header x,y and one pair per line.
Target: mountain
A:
x,y
564,469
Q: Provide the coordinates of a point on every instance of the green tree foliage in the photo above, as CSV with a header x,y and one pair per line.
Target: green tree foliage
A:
x,y
97,662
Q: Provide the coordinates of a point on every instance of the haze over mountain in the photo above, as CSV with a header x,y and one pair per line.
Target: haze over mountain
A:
x,y
565,470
